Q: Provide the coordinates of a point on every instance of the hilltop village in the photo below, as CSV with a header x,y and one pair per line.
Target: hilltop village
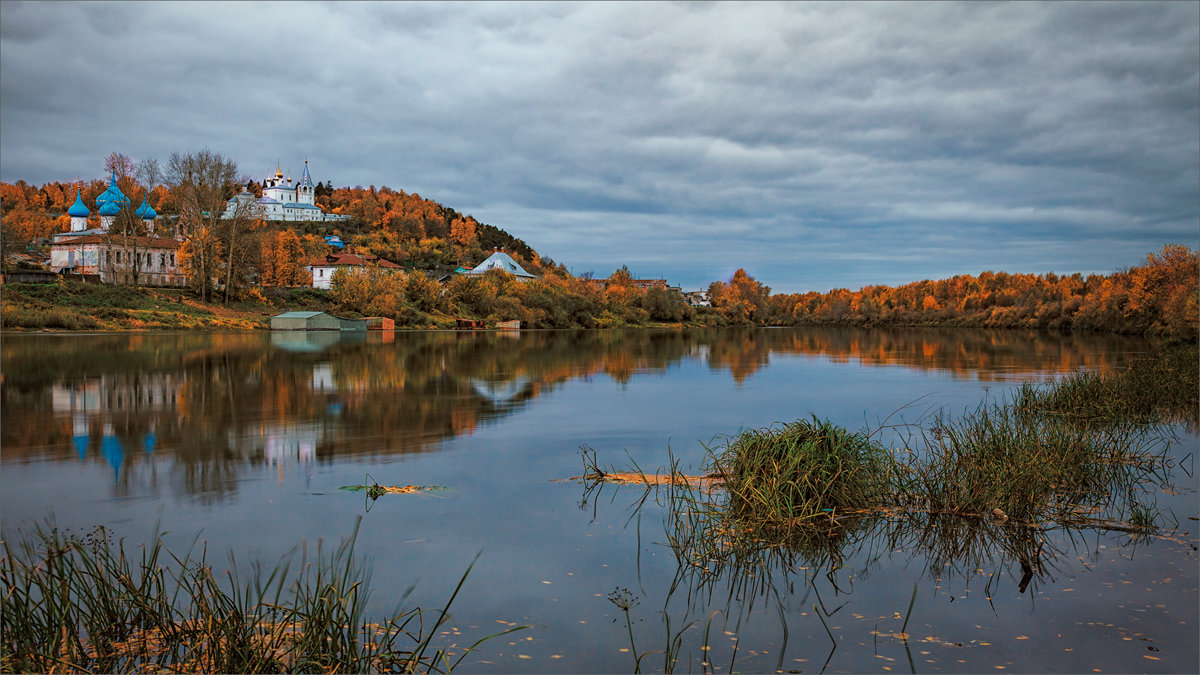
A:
x,y
147,253
360,251
195,246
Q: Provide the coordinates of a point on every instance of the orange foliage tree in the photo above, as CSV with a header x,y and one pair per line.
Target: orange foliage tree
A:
x,y
1162,293
742,299
199,257
283,260
463,231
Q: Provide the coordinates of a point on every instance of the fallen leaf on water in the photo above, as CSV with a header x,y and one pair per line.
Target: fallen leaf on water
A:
x,y
376,489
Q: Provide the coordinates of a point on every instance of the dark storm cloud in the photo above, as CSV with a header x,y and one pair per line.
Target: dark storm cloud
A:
x,y
818,145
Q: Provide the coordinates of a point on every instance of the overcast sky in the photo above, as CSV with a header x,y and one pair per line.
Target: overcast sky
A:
x,y
817,145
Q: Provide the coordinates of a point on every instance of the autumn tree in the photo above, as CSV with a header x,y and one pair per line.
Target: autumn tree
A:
x,y
369,291
25,217
201,185
463,231
623,298
120,165
742,299
15,221
423,292
664,305
314,246
198,256
1163,292
283,260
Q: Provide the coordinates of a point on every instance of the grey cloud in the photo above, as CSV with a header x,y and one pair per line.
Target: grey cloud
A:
x,y
892,138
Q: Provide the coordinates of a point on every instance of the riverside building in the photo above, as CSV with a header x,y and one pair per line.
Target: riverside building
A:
x,y
115,258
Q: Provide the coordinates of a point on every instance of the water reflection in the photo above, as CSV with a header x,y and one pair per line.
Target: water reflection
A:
x,y
315,340
732,576
215,419
215,402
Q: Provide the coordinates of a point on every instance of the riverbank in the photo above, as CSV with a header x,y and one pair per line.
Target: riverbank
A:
x,y
73,306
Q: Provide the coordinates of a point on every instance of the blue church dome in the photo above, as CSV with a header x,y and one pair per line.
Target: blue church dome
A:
x,y
78,209
110,208
112,194
146,212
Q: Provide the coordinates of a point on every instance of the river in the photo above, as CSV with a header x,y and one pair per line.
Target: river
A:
x,y
244,441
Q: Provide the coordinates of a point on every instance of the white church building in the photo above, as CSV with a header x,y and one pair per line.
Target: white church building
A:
x,y
143,260
284,199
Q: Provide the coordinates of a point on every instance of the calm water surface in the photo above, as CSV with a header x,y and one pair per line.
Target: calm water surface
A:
x,y
246,438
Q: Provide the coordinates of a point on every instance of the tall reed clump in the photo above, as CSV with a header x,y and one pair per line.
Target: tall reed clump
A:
x,y
1161,388
801,471
74,604
1087,440
998,461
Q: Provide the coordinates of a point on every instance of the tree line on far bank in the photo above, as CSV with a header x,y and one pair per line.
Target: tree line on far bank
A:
x,y
1158,297
555,300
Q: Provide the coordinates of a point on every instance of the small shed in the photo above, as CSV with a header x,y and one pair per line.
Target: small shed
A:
x,y
468,324
305,321
353,325
315,321
380,323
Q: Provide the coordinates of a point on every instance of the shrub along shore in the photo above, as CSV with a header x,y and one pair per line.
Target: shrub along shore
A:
x,y
1159,298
